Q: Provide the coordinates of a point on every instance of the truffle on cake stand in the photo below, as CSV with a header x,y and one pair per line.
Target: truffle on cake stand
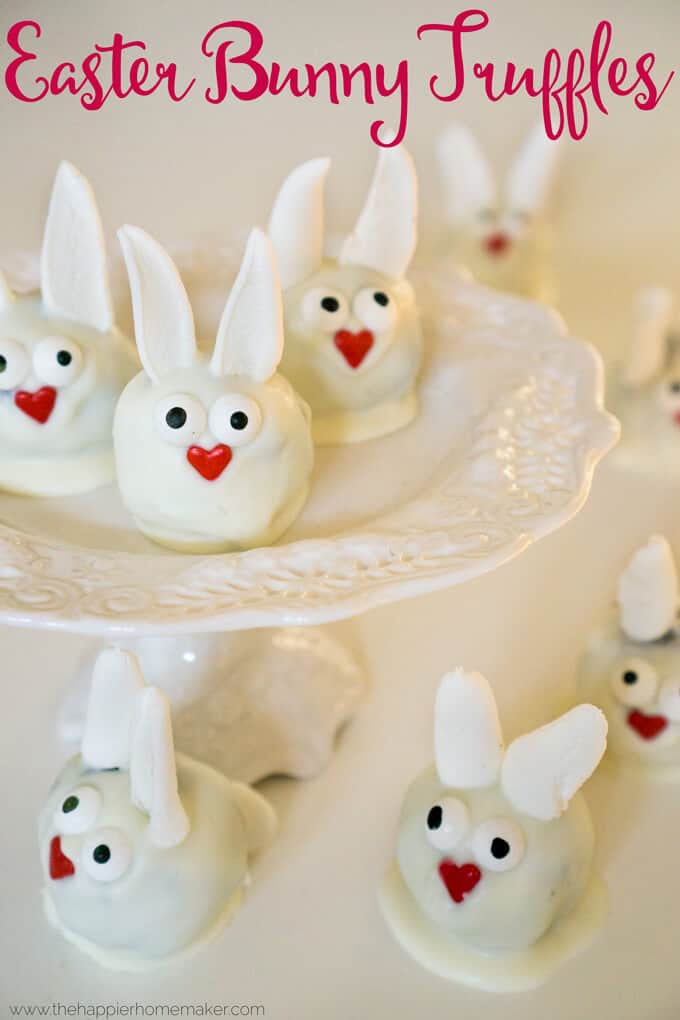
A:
x,y
510,428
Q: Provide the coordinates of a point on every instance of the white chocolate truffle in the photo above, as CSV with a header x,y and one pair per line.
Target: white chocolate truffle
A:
x,y
143,861
63,363
497,230
492,883
353,335
212,454
631,668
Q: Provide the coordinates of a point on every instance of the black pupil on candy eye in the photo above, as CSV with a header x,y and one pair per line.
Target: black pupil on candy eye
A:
x,y
630,677
500,848
381,298
330,304
238,420
64,358
434,817
101,854
176,417
3,363
70,804
674,387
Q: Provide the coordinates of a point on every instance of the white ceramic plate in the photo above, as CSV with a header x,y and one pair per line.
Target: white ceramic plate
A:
x,y
510,429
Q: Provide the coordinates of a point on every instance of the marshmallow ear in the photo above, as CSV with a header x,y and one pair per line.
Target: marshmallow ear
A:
x,y
468,743
296,222
467,181
116,682
385,234
648,592
73,271
543,770
648,351
258,816
6,294
531,172
164,323
153,774
250,334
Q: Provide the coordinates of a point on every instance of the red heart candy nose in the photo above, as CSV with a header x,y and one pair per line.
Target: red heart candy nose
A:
x,y
38,405
209,463
676,417
647,726
353,346
497,243
459,881
61,866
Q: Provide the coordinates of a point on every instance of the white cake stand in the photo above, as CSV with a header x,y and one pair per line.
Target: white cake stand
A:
x,y
502,452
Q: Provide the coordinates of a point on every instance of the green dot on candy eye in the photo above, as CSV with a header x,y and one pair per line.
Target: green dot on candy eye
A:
x,y
3,363
70,804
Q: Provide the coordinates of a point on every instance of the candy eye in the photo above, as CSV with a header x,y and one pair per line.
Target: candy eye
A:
x,y
14,364
634,682
375,308
521,217
498,844
235,419
78,811
180,419
106,854
446,823
669,393
669,700
325,309
57,361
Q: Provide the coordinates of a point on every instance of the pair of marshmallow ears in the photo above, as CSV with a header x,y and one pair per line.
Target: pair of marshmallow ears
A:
x,y
469,185
128,727
648,592
74,280
654,321
384,236
539,772
249,339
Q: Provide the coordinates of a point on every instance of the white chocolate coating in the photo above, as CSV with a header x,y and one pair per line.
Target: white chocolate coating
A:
x,y
377,396
168,901
644,716
506,911
212,454
489,869
72,450
497,229
253,501
353,334
63,363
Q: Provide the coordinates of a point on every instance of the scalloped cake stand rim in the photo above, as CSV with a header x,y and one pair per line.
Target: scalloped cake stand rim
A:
x,y
384,561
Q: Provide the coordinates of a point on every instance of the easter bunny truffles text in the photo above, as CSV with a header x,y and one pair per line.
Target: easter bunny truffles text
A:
x,y
567,86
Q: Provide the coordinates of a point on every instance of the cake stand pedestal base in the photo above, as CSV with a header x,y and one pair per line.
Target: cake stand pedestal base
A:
x,y
251,703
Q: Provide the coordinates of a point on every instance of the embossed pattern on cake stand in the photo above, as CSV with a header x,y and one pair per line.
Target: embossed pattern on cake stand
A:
x,y
510,429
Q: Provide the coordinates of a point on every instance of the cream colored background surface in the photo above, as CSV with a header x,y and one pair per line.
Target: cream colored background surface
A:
x,y
311,942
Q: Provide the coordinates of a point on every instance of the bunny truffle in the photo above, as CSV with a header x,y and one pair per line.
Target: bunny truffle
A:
x,y
645,392
144,855
499,232
631,668
63,363
213,454
492,884
353,334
